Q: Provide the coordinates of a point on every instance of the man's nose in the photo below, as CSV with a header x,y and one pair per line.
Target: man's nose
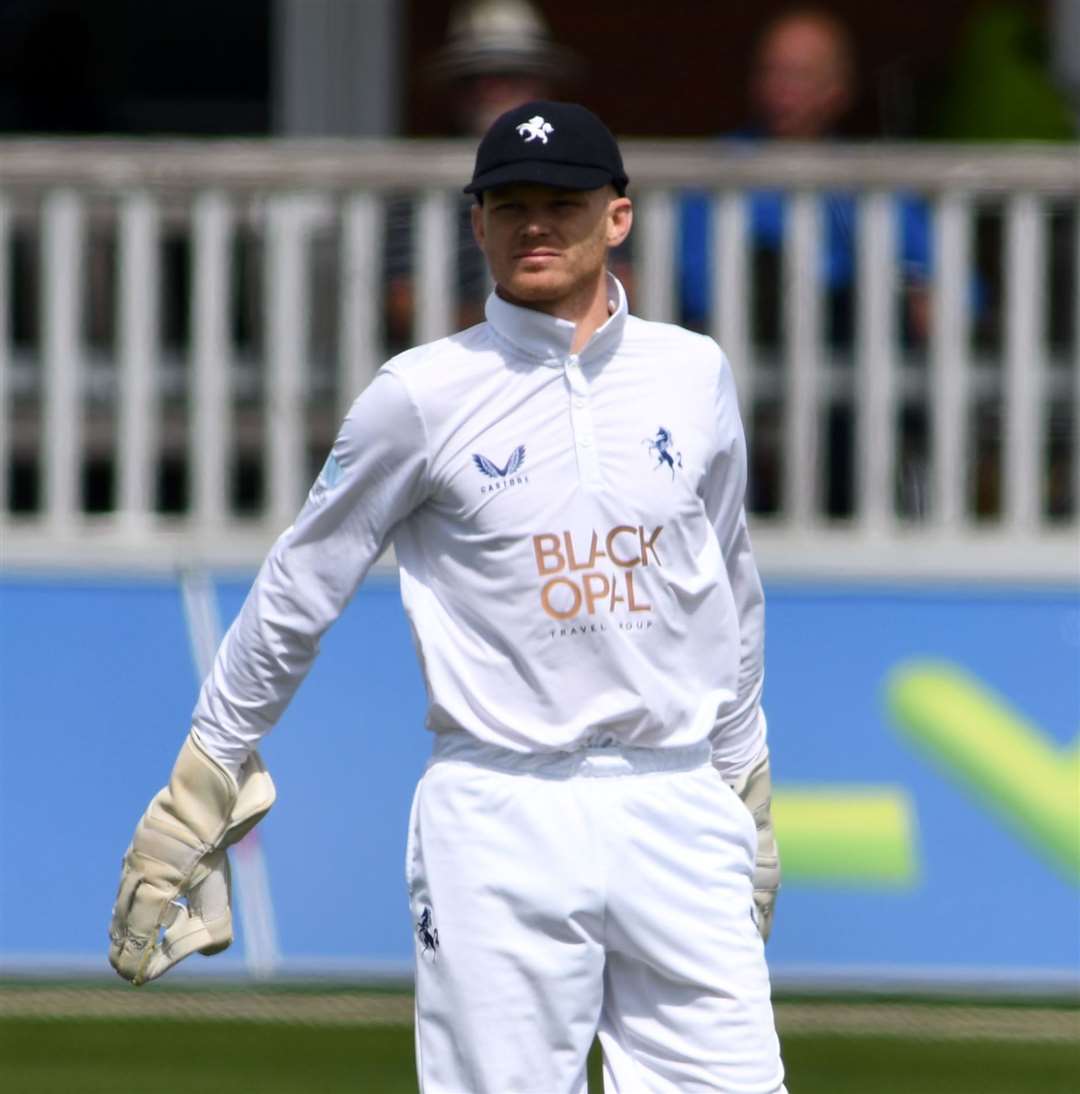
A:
x,y
535,226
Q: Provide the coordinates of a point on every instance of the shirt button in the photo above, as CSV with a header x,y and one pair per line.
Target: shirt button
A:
x,y
572,360
586,440
579,403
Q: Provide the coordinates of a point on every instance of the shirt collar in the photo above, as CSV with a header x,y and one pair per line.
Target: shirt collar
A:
x,y
548,339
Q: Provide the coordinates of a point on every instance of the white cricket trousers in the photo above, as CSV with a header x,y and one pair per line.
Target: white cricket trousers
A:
x,y
603,891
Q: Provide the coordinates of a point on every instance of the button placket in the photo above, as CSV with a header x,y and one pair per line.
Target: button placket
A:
x,y
581,421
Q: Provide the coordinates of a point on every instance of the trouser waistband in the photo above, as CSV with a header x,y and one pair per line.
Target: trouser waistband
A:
x,y
593,761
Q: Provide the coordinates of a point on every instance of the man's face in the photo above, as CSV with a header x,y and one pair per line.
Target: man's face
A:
x,y
801,85
547,246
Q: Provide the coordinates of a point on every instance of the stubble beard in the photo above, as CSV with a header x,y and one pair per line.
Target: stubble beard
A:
x,y
552,290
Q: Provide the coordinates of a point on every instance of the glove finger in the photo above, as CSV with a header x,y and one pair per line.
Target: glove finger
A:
x,y
170,948
204,925
140,911
150,909
129,956
767,872
209,898
130,879
764,901
188,934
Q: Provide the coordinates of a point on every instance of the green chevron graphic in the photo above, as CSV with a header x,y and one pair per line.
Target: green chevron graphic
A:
x,y
1010,765
850,835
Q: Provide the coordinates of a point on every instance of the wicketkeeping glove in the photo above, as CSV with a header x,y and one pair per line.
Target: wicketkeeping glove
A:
x,y
755,788
178,850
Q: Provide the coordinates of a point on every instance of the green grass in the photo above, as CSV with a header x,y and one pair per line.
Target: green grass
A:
x,y
169,1057
897,1065
89,1056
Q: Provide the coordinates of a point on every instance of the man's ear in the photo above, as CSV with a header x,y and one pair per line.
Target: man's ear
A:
x,y
477,214
620,218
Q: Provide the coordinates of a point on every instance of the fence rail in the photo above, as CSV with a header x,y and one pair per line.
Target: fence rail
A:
x,y
182,325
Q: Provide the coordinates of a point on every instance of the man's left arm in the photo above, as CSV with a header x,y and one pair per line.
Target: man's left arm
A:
x,y
740,751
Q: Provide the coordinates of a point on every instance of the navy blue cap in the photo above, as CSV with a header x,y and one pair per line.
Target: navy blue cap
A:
x,y
556,144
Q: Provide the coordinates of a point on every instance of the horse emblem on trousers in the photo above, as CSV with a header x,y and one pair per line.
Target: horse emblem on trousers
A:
x,y
428,934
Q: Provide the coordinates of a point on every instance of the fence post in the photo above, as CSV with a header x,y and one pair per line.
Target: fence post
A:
x,y
62,268
434,251
655,272
211,360
1022,391
949,361
138,326
360,296
7,416
1075,492
802,359
875,389
287,289
730,281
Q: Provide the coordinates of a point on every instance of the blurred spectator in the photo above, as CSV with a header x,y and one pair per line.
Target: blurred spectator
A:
x,y
498,54
803,80
802,85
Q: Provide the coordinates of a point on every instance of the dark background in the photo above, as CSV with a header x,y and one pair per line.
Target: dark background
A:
x,y
680,68
674,69
135,66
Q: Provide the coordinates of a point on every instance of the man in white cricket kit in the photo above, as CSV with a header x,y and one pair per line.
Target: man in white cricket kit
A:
x,y
563,485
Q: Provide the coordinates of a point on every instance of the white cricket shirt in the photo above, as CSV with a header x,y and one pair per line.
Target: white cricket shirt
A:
x,y
571,538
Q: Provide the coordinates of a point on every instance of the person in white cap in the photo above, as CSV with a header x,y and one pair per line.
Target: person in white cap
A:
x,y
590,849
497,55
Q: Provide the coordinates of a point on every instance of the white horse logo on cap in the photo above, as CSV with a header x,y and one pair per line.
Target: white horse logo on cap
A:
x,y
536,129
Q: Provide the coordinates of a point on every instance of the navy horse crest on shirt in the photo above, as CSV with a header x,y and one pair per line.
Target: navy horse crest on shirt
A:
x,y
501,477
663,446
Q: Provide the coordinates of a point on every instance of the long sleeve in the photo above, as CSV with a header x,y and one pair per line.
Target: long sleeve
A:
x,y
375,476
738,735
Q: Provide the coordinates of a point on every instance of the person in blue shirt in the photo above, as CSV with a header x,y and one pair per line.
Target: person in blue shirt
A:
x,y
802,84
767,211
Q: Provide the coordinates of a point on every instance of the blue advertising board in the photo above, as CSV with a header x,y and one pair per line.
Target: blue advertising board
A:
x,y
924,744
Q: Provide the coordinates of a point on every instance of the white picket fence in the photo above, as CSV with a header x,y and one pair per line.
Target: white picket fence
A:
x,y
130,400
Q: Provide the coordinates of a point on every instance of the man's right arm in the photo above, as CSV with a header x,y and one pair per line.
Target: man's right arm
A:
x,y
375,476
